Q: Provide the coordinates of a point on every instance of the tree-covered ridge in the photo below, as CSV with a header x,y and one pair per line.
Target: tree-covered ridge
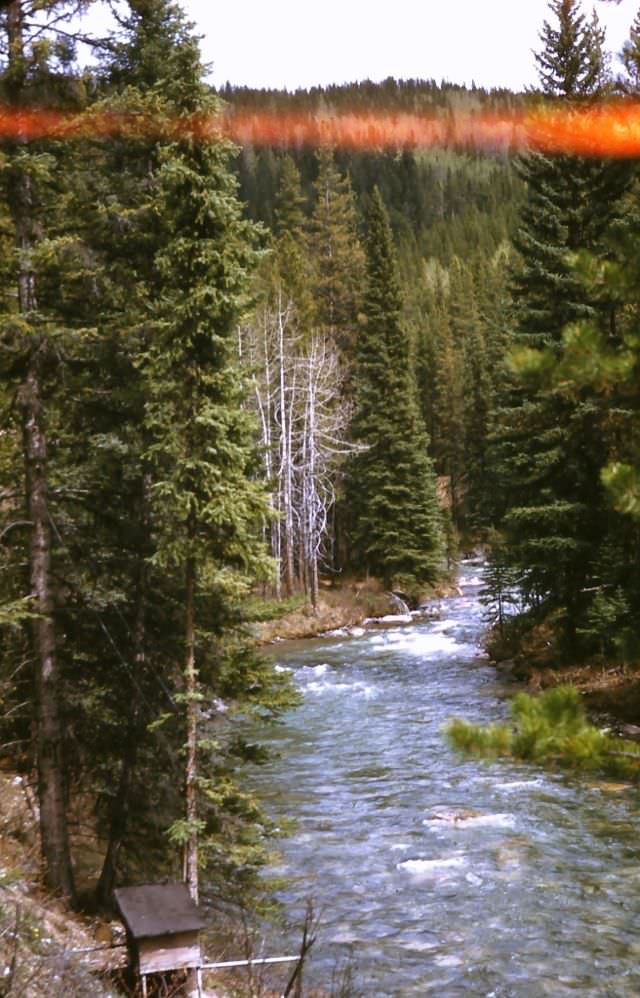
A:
x,y
452,215
486,246
421,188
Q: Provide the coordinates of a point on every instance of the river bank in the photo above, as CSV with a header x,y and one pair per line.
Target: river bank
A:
x,y
611,690
611,693
347,606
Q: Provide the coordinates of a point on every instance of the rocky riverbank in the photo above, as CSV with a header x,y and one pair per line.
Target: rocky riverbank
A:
x,y
348,606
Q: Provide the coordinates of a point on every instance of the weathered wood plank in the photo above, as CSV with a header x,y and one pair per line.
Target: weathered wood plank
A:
x,y
169,953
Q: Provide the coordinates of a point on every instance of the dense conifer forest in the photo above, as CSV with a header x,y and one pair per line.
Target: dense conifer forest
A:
x,y
229,373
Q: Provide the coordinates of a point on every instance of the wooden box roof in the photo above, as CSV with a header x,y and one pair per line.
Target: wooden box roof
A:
x,y
158,910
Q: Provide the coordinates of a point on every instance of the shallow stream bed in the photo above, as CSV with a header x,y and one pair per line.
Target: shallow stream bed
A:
x,y
438,875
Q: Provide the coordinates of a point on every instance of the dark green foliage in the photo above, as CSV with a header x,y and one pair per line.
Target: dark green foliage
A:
x,y
571,61
396,522
551,729
549,445
500,591
336,254
202,510
292,276
199,437
142,255
451,213
601,356
141,279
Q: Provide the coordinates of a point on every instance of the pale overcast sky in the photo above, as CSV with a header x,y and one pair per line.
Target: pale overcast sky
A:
x,y
294,43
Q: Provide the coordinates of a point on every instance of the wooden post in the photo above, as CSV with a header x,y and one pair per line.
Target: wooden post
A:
x,y
144,986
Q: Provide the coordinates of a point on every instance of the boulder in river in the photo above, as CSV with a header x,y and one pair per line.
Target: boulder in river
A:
x,y
453,815
467,818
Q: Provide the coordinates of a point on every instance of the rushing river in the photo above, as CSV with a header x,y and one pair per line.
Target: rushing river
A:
x,y
536,892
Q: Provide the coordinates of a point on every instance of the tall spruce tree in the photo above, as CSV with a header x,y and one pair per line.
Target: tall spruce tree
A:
x,y
291,270
550,447
36,69
396,522
337,259
143,239
177,280
208,511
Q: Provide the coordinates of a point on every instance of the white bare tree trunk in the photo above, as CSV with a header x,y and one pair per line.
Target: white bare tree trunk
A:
x,y
304,421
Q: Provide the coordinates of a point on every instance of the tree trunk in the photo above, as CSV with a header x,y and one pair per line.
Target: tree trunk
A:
x,y
118,823
54,835
191,790
58,875
286,469
191,684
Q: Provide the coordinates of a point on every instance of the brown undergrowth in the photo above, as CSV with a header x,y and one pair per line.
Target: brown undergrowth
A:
x,y
534,657
40,938
49,951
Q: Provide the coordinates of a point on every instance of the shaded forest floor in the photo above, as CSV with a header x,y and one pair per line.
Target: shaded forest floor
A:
x,y
46,951
611,689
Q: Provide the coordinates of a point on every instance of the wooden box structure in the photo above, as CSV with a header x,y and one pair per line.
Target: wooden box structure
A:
x,y
163,927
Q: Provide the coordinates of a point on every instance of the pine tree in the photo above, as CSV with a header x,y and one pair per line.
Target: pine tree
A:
x,y
140,259
178,283
449,403
337,258
551,728
600,355
37,330
550,448
208,511
631,57
289,211
396,523
291,270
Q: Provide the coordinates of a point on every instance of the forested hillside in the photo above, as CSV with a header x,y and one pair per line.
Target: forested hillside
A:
x,y
453,214
229,373
507,276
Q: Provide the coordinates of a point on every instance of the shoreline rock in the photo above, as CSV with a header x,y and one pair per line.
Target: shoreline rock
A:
x,y
344,610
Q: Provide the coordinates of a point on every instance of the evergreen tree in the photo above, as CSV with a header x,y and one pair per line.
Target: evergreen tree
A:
x,y
553,729
289,212
37,332
551,448
207,510
292,270
203,510
337,258
631,57
140,258
449,403
396,523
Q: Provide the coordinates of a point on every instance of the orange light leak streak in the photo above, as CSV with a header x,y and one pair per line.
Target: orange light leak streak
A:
x,y
611,131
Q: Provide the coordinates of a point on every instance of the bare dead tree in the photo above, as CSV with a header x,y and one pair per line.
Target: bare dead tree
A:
x,y
304,419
